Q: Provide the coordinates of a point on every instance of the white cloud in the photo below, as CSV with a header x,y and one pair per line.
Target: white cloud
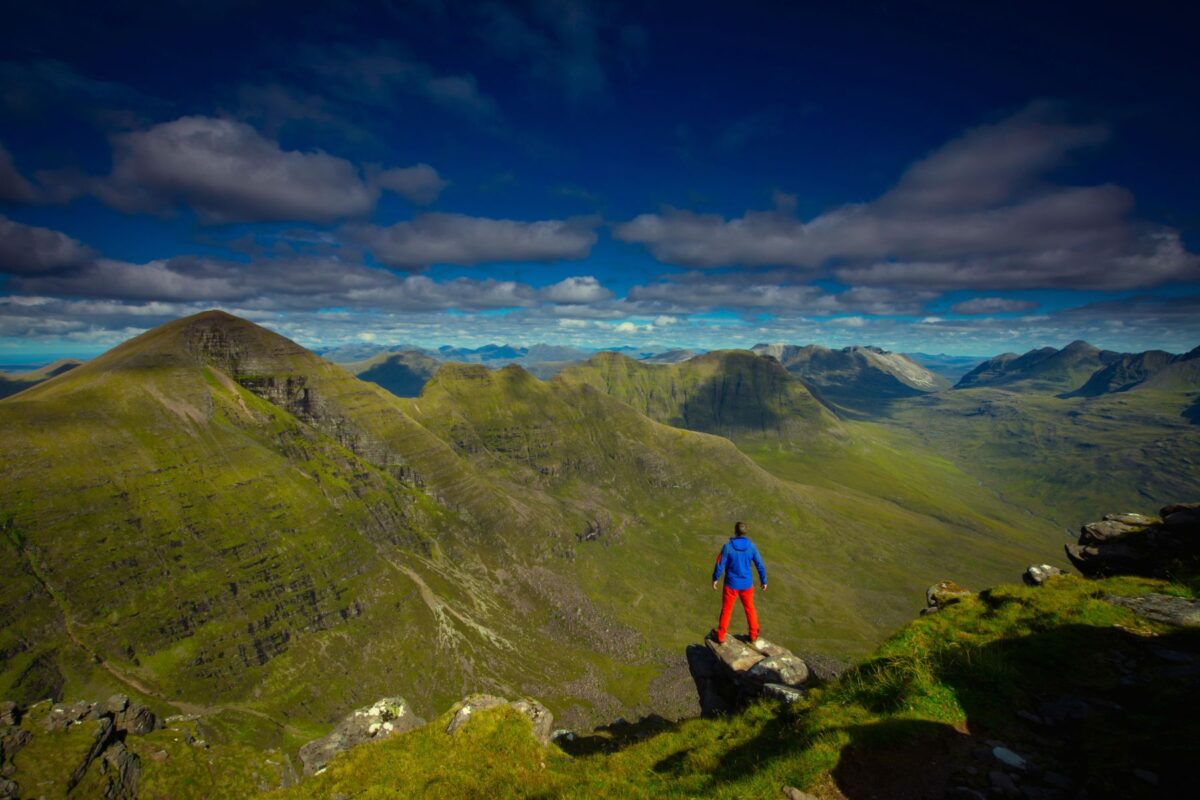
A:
x,y
576,290
992,305
228,172
976,213
460,239
29,250
419,184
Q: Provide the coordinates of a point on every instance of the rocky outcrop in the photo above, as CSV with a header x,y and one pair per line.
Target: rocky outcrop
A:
x,y
729,673
387,717
942,594
106,723
1133,544
539,716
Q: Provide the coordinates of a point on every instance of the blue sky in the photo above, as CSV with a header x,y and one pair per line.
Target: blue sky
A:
x,y
924,178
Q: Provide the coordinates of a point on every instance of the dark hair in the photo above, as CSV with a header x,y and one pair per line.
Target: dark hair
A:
x,y
739,529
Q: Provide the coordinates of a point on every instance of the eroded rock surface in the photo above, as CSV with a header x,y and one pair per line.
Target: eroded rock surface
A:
x,y
538,714
386,717
1134,544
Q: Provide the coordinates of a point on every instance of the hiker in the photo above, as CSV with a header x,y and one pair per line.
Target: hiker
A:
x,y
735,559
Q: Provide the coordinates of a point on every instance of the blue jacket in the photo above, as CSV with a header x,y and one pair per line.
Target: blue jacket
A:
x,y
736,557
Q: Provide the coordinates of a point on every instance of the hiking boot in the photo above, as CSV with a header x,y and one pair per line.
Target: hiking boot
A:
x,y
713,635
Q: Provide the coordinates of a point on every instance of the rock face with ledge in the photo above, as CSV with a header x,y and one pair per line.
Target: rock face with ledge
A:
x,y
1133,544
387,717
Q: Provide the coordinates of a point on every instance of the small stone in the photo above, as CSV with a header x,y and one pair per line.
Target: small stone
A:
x,y
117,703
1008,757
792,793
563,735
1037,574
788,694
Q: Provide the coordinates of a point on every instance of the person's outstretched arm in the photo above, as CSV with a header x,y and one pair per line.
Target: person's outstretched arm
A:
x,y
722,558
762,570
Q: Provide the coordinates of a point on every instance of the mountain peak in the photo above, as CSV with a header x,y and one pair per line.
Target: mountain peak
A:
x,y
1080,346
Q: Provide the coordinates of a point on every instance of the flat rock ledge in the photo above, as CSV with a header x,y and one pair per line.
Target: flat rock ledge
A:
x,y
730,673
1162,608
386,717
1134,544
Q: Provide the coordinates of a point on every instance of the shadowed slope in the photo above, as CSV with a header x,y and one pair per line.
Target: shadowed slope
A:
x,y
12,383
726,392
858,380
403,373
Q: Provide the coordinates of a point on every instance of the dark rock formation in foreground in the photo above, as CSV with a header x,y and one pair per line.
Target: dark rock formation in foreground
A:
x,y
1134,544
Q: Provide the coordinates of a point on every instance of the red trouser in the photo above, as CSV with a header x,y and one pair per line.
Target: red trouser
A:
x,y
727,598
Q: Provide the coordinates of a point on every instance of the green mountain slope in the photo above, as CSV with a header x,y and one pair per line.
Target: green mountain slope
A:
x,y
213,513
1089,698
213,519
1060,456
726,392
1042,370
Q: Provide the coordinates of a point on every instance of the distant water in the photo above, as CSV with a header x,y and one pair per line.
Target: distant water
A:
x,y
11,368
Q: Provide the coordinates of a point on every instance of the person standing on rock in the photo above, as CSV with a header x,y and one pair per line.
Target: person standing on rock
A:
x,y
735,559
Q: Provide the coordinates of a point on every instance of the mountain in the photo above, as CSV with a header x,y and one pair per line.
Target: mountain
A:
x,y
857,379
488,352
402,373
10,384
218,522
670,356
726,392
1153,368
1042,370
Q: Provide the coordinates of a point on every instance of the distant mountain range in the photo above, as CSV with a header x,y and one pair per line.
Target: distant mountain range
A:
x,y
11,383
1082,370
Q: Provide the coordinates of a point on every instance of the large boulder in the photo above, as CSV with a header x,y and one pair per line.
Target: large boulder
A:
x,y
1133,544
538,715
755,669
386,717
